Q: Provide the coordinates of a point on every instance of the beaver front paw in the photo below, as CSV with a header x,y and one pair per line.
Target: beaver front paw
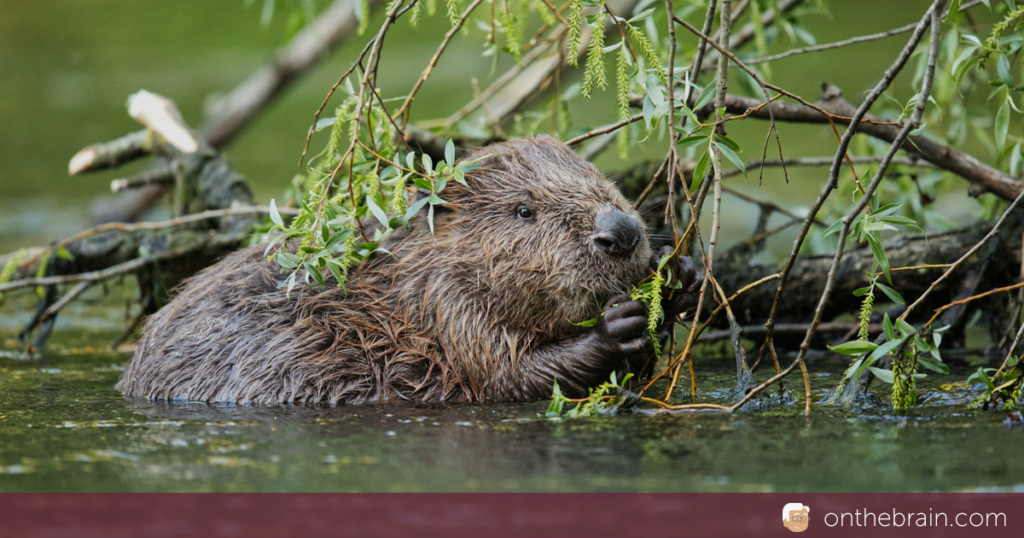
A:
x,y
676,300
621,331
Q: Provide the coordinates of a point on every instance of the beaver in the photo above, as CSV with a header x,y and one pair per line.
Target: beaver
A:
x,y
486,307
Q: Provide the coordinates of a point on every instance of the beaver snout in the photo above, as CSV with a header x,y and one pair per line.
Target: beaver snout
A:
x,y
618,234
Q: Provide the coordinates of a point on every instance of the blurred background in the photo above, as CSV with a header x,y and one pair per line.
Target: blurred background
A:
x,y
66,69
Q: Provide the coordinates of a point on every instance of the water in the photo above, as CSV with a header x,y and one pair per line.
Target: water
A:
x,y
65,70
64,428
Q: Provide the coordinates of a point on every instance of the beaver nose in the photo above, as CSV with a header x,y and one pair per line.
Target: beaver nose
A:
x,y
618,234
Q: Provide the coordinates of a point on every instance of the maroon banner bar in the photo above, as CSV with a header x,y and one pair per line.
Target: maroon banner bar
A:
x,y
589,515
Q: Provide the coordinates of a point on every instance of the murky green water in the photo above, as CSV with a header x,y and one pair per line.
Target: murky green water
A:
x,y
65,70
64,428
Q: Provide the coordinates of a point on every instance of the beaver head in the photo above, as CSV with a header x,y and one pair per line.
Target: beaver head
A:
x,y
536,233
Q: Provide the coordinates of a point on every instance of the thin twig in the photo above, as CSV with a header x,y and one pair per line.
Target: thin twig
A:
x,y
966,300
604,130
121,268
403,111
965,257
847,42
764,87
886,79
931,16
124,227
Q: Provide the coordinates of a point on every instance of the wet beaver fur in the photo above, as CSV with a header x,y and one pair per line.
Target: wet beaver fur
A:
x,y
479,311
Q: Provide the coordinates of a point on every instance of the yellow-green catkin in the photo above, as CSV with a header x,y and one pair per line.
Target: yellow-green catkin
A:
x,y
904,386
647,49
622,143
823,8
398,200
364,17
341,120
414,17
866,308
563,119
654,312
992,43
11,266
594,75
515,24
453,11
545,12
760,40
44,262
622,80
651,297
575,19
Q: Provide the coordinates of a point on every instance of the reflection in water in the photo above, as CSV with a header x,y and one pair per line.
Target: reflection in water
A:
x,y
65,428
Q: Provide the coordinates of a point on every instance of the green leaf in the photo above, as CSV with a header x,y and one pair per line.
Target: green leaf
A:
x,y
449,153
880,256
728,142
932,364
641,16
706,95
289,284
313,270
287,260
648,110
856,347
378,213
587,323
612,48
835,227
1002,124
1003,68
664,260
896,297
692,141
860,292
423,183
729,154
983,375
884,350
905,328
414,209
884,375
274,215
890,334
324,122
338,276
954,7
337,237
428,163
700,171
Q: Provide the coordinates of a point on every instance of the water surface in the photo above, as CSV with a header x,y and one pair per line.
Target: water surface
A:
x,y
64,428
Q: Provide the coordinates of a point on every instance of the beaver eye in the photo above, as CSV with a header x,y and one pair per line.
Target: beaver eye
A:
x,y
524,212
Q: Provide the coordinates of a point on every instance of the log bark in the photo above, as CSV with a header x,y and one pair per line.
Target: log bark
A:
x,y
998,264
